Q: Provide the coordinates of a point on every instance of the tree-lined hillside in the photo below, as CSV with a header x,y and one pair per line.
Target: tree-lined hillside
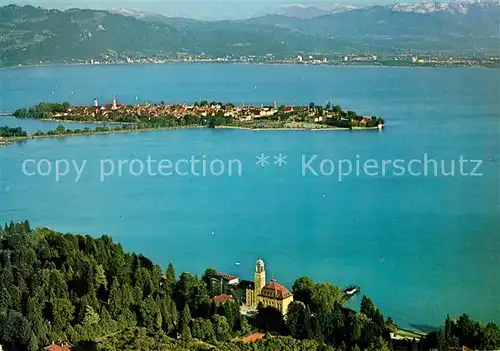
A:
x,y
89,293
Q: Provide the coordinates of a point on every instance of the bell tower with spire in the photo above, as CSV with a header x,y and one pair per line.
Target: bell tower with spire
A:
x,y
259,278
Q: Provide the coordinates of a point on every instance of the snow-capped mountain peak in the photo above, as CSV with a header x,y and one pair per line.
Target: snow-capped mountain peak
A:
x,y
309,11
461,7
129,12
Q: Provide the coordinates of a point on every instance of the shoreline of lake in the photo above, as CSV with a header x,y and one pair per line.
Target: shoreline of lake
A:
x,y
326,129
333,64
11,140
9,115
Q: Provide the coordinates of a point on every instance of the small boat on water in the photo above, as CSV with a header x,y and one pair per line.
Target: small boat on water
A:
x,y
352,290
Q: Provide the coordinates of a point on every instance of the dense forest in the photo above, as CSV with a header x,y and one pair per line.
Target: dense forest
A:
x,y
88,293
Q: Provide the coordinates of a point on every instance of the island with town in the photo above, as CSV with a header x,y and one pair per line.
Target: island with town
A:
x,y
117,117
206,113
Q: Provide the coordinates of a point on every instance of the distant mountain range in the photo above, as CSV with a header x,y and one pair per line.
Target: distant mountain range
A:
x,y
29,34
307,11
462,7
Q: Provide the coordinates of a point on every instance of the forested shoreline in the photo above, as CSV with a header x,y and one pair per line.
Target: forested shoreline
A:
x,y
88,293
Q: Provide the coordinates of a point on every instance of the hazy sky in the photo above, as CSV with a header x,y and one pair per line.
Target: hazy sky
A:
x,y
203,9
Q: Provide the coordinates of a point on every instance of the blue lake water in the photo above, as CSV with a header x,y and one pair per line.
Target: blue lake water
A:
x,y
32,126
420,246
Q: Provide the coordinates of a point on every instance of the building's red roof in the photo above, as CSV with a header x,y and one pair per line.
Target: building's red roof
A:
x,y
55,347
253,337
275,290
225,276
220,299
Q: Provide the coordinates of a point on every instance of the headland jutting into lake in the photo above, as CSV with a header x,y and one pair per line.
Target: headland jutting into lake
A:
x,y
125,117
104,298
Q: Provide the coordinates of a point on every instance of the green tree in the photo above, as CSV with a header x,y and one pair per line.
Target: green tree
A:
x,y
356,330
185,320
466,330
222,328
202,329
325,296
207,276
244,326
62,313
38,324
170,280
302,289
5,301
489,337
192,291
169,315
298,320
115,302
60,129
150,314
369,309
379,345
269,319
231,311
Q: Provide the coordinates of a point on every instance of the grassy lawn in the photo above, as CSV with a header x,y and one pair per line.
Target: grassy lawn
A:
x,y
409,334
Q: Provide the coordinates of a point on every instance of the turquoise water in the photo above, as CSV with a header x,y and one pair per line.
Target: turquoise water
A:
x,y
421,247
32,126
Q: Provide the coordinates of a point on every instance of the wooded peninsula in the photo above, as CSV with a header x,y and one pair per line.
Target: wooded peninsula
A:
x,y
86,293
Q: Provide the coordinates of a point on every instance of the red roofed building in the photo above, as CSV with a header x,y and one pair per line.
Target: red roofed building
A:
x,y
276,295
274,290
231,279
224,283
221,299
270,295
253,337
55,347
